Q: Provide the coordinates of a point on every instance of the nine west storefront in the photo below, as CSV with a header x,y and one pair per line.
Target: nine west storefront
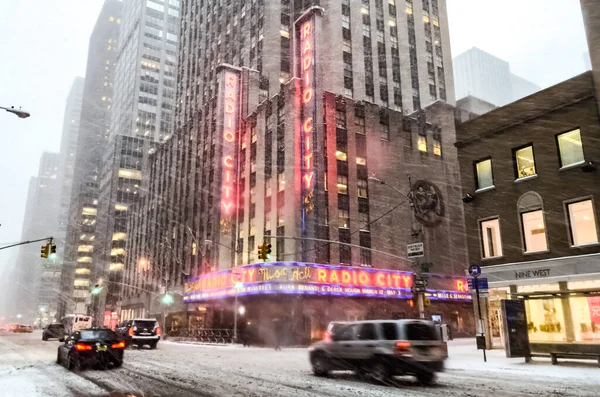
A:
x,y
562,299
305,297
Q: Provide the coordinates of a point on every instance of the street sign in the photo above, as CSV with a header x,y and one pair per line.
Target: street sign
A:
x,y
415,250
474,270
427,302
482,284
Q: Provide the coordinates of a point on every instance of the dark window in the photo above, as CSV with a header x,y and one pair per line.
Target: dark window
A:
x,y
390,331
367,332
420,331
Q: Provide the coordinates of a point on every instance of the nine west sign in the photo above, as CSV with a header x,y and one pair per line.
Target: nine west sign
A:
x,y
533,273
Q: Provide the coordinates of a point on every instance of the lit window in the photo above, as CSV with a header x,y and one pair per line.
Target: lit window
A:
x,y
85,248
280,219
437,147
490,238
111,19
341,156
392,22
422,143
361,160
426,18
284,33
365,10
280,182
252,231
89,211
120,207
534,231
82,270
362,188
194,249
117,251
524,162
84,259
409,10
570,148
485,178
81,282
113,267
118,236
130,174
342,184
343,219
582,223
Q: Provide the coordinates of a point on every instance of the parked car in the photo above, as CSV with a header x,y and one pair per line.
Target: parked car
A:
x,y
140,332
56,330
21,328
91,347
381,349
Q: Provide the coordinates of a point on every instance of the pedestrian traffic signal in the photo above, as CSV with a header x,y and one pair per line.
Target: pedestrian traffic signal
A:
x,y
45,250
52,251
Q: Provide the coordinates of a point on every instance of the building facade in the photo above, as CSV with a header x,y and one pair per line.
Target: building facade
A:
x,y
141,116
531,185
249,165
38,278
484,76
93,133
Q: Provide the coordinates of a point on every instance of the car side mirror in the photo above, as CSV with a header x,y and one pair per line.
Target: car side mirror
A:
x,y
61,340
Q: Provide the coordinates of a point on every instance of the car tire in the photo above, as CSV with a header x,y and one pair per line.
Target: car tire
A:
x,y
44,338
153,345
319,365
72,363
426,378
380,372
58,359
117,364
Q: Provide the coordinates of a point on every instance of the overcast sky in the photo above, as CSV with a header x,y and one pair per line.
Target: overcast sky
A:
x,y
44,46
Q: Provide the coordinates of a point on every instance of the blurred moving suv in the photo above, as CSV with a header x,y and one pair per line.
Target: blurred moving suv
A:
x,y
381,349
56,330
140,332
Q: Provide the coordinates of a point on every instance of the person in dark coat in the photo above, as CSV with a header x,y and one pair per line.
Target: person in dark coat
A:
x,y
278,333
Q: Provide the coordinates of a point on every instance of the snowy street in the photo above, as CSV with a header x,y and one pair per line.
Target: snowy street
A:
x,y
28,368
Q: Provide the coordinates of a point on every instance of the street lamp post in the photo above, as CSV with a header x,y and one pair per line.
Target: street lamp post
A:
x,y
418,275
22,114
238,286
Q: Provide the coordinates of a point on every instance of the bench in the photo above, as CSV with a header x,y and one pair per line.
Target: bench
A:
x,y
578,356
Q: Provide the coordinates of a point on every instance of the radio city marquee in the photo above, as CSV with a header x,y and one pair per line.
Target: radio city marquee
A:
x,y
316,279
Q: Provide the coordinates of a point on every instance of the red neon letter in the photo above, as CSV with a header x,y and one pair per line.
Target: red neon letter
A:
x,y
306,29
307,47
227,191
345,277
227,206
308,125
307,61
229,108
363,278
333,276
307,161
307,96
229,137
322,275
230,96
380,280
407,281
231,80
308,179
307,144
228,161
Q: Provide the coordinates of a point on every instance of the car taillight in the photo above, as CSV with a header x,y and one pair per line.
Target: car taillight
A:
x,y
158,331
327,336
130,331
402,346
120,345
81,347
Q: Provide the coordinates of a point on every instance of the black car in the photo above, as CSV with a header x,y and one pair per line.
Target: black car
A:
x,y
53,331
140,332
91,347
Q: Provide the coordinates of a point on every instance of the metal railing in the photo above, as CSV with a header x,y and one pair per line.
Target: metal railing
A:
x,y
204,335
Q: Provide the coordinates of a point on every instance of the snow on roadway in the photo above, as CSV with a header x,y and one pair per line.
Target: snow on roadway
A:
x,y
174,370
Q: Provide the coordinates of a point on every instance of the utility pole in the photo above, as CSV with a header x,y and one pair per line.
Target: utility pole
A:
x,y
49,239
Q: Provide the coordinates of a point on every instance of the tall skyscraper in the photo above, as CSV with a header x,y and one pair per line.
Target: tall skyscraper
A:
x,y
66,163
93,132
286,113
141,116
39,279
484,76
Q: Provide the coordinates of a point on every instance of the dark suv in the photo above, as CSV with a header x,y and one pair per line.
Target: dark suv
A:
x,y
53,331
140,332
381,349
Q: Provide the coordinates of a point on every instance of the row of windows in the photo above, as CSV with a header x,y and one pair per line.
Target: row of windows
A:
x,y
570,153
581,224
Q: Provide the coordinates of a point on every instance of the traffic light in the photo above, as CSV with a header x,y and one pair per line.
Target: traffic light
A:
x,y
167,299
268,251
96,290
52,251
260,252
45,250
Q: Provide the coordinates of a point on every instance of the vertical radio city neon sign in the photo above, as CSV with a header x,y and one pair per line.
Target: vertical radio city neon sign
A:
x,y
307,72
229,130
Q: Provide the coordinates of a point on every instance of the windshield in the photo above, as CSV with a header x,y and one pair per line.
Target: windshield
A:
x,y
102,334
264,197
145,324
